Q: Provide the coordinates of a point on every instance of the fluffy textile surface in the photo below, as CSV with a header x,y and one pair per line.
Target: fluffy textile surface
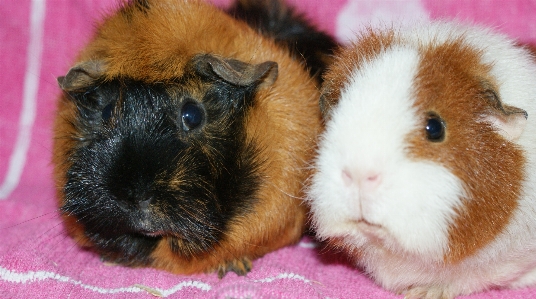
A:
x,y
39,41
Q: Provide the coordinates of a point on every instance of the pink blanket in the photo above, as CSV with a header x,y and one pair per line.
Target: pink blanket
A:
x,y
39,40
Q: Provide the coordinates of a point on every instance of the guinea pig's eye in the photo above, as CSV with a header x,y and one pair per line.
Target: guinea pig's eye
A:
x,y
191,115
435,128
107,112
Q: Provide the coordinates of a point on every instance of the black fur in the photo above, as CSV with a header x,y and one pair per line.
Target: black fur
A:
x,y
275,19
140,5
139,174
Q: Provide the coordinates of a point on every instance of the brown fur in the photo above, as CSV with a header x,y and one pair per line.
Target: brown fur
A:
x,y
154,45
453,83
531,48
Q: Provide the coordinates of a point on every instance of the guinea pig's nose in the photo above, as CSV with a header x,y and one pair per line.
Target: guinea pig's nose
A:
x,y
144,204
347,178
367,180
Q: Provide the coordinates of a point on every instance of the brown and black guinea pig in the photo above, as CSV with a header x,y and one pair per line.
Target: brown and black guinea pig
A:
x,y
183,139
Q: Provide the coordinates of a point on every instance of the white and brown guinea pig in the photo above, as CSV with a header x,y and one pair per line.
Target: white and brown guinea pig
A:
x,y
426,170
183,140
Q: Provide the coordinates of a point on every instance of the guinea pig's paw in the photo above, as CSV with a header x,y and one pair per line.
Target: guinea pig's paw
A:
x,y
107,262
435,292
239,266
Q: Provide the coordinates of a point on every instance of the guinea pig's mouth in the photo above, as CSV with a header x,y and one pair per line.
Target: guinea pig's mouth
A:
x,y
153,234
159,233
145,224
374,232
148,228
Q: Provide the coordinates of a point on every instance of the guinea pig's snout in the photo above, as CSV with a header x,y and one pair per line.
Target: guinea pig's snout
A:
x,y
133,197
140,201
367,180
133,180
138,204
144,204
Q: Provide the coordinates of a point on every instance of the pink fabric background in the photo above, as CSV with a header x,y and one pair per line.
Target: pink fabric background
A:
x,y
39,40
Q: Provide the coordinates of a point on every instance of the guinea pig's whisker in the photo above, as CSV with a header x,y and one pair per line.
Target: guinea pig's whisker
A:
x,y
48,235
323,250
45,238
30,220
284,192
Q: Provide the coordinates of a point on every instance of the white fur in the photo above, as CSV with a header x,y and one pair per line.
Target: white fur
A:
x,y
413,201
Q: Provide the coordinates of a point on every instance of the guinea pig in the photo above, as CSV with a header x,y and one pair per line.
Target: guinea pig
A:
x,y
425,173
183,139
289,28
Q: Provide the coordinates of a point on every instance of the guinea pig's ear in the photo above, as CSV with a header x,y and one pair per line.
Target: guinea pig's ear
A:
x,y
324,106
328,99
236,72
510,121
81,76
